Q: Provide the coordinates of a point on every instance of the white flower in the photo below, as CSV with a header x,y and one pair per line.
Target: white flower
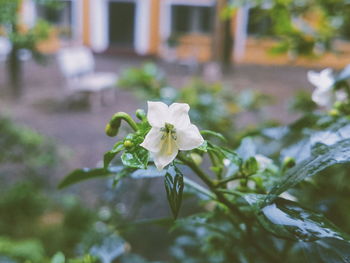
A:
x,y
171,131
323,95
323,82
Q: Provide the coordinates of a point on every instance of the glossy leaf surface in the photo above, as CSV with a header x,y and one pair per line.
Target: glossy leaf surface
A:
x,y
174,185
287,219
109,156
322,157
137,158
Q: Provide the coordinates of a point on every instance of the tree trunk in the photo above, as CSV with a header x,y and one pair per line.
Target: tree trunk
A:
x,y
222,39
14,67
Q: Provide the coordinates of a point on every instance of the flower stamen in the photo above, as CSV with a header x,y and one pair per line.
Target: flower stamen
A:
x,y
169,133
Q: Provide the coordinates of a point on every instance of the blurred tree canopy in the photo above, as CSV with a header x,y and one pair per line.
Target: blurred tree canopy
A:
x,y
22,37
303,27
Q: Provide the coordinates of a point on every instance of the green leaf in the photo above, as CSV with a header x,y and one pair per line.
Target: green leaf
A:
x,y
322,157
215,134
287,219
137,157
150,172
109,156
58,258
174,185
201,192
327,250
83,174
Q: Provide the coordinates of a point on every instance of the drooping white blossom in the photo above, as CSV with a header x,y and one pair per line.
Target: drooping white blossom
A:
x,y
171,131
324,94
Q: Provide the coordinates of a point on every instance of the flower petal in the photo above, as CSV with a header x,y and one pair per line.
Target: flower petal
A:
x,y
164,157
323,80
341,95
322,98
157,113
189,138
152,141
179,115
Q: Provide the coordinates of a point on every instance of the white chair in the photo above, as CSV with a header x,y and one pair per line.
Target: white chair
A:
x,y
78,67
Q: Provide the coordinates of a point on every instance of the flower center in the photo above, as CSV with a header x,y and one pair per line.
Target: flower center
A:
x,y
169,133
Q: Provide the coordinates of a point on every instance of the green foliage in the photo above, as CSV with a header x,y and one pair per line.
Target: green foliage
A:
x,y
243,217
148,80
26,151
30,249
303,28
83,174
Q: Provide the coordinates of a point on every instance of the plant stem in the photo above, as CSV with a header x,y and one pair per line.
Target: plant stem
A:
x,y
215,163
230,178
115,121
207,180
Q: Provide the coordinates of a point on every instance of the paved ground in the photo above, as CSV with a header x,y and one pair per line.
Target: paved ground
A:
x,y
42,105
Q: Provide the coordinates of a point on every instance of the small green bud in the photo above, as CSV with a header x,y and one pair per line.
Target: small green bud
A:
x,y
112,128
111,131
334,113
250,166
197,159
128,144
141,115
289,162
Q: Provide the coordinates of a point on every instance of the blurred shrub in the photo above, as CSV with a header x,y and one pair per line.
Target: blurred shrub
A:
x,y
213,106
26,152
26,250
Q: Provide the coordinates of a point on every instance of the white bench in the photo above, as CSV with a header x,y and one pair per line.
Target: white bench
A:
x,y
78,67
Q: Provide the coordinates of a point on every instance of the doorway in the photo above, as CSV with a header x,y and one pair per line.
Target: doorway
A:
x,y
122,24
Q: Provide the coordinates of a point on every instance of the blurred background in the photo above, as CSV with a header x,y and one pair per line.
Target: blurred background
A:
x,y
67,66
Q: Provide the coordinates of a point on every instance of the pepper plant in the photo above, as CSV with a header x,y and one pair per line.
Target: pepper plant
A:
x,y
251,193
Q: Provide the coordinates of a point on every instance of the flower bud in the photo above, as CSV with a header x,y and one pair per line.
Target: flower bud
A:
x,y
111,131
289,162
141,114
250,166
334,113
128,144
197,159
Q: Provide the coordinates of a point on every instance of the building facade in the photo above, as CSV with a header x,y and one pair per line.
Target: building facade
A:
x,y
166,28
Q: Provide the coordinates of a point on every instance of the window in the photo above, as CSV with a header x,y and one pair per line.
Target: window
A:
x,y
60,16
192,19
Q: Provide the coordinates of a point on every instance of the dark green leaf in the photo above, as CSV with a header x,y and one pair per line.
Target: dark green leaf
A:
x,y
287,219
322,157
327,250
83,174
108,156
174,185
137,157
